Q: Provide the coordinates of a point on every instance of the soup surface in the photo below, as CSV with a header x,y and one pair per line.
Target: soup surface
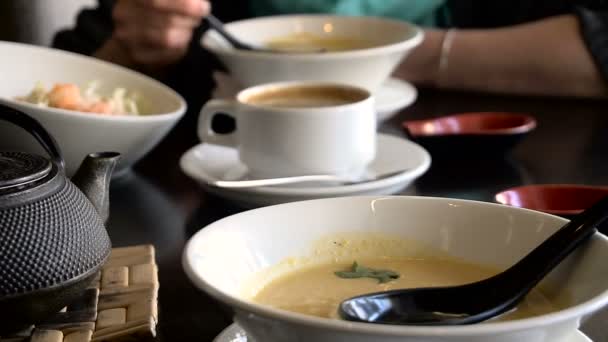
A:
x,y
306,97
304,41
317,290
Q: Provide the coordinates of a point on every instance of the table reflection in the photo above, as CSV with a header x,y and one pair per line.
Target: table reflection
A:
x,y
474,179
140,209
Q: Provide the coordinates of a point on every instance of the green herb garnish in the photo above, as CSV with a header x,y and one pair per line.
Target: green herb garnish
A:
x,y
358,271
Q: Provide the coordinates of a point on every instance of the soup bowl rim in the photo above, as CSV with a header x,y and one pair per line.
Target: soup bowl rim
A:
x,y
401,45
571,312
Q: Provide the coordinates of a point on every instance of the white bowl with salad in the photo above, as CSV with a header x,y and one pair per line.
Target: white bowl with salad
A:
x,y
88,105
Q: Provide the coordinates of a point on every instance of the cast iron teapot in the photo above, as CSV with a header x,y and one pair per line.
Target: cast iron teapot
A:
x,y
52,236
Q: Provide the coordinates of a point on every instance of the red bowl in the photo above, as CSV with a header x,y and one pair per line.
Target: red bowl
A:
x,y
470,134
557,199
483,123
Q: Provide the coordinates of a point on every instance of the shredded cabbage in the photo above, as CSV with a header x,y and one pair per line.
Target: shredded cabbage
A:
x,y
89,99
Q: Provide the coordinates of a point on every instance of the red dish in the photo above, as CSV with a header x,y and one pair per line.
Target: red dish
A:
x,y
557,199
470,135
483,123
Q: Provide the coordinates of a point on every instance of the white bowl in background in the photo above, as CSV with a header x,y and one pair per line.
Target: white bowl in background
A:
x,y
223,256
367,68
22,66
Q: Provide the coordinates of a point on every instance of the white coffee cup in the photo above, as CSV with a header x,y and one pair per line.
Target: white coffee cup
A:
x,y
297,128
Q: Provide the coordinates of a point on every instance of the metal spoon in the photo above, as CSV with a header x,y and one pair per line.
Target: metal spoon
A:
x,y
479,301
217,25
343,180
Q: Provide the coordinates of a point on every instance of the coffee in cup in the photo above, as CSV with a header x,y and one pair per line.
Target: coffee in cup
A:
x,y
305,97
297,128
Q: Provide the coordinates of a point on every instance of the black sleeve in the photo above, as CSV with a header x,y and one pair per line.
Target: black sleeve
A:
x,y
93,28
594,28
191,77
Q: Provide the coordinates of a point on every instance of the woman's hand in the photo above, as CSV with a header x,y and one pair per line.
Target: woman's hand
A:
x,y
151,35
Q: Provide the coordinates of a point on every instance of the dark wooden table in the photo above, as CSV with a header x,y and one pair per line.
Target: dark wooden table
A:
x,y
158,204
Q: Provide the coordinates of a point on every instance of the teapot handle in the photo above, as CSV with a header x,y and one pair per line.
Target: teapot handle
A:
x,y
33,127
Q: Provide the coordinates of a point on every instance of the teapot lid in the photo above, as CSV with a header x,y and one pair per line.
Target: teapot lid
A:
x,y
19,169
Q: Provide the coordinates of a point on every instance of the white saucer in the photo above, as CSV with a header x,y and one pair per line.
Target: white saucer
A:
x,y
206,163
234,333
393,96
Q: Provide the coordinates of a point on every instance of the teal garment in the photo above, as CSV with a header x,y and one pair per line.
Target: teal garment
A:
x,y
421,12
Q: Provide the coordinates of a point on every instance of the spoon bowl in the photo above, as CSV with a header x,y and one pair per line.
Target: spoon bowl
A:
x,y
493,296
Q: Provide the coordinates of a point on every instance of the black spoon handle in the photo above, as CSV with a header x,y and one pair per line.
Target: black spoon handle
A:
x,y
217,25
530,270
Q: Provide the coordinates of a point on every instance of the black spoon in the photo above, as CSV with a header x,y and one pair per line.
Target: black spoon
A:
x,y
217,25
479,301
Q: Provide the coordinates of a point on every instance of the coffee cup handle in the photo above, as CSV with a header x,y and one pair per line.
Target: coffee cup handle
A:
x,y
206,132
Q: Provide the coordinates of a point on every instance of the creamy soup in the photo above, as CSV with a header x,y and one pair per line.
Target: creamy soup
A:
x,y
318,290
304,41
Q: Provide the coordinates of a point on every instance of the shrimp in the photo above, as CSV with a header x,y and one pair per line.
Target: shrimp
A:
x,y
101,107
70,97
65,96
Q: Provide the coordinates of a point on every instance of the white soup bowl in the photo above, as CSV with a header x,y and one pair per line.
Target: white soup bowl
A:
x,y
390,42
221,258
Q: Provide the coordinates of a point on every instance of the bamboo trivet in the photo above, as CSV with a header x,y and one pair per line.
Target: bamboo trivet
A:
x,y
120,305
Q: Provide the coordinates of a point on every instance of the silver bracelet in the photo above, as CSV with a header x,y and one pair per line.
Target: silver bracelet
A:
x,y
444,54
